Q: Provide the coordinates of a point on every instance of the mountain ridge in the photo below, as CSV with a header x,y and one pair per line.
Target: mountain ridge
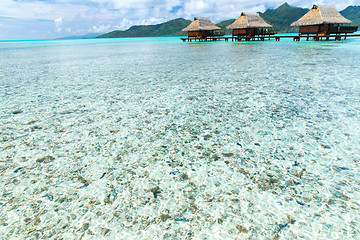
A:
x,y
280,17
169,28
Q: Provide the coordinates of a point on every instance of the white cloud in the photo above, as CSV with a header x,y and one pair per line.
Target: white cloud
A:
x,y
78,16
58,21
40,10
100,29
142,9
58,24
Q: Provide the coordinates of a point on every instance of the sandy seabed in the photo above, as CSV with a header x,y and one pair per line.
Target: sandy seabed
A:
x,y
122,141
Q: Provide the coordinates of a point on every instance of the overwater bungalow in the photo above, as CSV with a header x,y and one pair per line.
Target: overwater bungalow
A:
x,y
203,29
250,26
324,21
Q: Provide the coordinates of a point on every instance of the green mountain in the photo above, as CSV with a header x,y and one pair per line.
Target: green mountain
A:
x,y
170,28
225,23
280,18
352,13
283,16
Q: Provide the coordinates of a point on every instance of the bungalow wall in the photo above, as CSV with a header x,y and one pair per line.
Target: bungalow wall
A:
x,y
312,29
243,32
326,29
199,34
252,31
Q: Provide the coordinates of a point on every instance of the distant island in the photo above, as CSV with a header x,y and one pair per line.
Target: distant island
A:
x,y
86,36
280,18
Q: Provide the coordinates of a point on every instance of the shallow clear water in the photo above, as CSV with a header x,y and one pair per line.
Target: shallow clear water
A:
x,y
155,138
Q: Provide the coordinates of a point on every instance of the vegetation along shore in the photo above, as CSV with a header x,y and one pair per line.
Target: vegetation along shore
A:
x,y
280,18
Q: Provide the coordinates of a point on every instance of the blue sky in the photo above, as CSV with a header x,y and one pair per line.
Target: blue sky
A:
x,y
48,19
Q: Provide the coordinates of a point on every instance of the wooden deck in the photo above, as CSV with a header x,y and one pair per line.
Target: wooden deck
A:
x,y
193,39
277,38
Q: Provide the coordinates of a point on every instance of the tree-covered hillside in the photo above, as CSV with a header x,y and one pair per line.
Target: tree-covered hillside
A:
x,y
225,23
170,28
352,13
280,18
283,16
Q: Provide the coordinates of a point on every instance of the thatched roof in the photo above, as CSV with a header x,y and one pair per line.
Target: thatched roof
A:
x,y
249,20
201,24
321,15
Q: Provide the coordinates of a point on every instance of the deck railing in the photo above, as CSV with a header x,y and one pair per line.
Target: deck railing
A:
x,y
348,29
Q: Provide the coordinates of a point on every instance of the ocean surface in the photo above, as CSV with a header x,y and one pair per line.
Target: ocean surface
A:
x,y
154,138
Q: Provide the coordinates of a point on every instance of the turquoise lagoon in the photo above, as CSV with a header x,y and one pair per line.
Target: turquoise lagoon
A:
x,y
153,138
